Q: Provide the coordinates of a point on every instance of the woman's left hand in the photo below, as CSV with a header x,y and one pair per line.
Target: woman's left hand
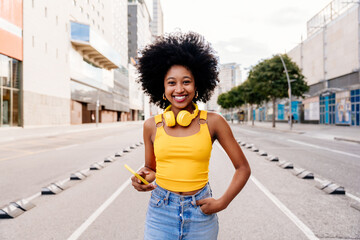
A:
x,y
210,205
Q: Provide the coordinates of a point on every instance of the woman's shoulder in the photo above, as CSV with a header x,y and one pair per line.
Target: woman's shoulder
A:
x,y
215,119
214,116
149,123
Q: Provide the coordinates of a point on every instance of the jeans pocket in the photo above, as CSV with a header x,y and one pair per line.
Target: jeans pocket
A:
x,y
202,213
156,201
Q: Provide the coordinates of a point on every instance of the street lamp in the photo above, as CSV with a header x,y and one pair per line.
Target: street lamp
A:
x,y
288,79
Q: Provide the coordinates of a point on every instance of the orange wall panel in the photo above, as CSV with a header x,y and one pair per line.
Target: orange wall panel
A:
x,y
11,11
11,45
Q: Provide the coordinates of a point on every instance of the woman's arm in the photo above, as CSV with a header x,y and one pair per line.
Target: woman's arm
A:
x,y
221,131
148,171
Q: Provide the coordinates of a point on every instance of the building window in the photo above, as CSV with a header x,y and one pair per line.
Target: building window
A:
x,y
327,109
57,20
10,95
33,41
33,3
45,47
74,2
45,11
81,10
355,107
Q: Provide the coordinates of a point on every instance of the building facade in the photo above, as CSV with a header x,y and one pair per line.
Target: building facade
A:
x,y
11,59
229,76
157,22
61,62
330,61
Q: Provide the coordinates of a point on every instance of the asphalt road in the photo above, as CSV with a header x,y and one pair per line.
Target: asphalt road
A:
x,y
274,204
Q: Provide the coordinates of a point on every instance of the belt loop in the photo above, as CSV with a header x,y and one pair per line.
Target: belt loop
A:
x,y
193,202
166,199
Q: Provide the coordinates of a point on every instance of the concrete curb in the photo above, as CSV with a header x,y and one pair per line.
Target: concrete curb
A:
x,y
346,139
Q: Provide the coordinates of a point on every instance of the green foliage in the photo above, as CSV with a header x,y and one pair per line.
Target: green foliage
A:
x,y
231,99
266,81
270,79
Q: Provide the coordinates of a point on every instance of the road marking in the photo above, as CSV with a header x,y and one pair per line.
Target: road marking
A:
x,y
307,231
65,147
29,199
324,148
248,131
98,212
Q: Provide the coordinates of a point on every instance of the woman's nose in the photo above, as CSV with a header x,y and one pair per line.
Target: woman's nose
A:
x,y
179,88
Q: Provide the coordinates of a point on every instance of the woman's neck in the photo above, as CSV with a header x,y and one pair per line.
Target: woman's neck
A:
x,y
190,108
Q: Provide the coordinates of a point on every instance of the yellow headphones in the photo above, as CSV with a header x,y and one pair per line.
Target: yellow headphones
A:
x,y
183,118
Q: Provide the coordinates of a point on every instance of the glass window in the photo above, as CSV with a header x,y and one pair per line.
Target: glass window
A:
x,y
15,108
16,73
5,71
6,107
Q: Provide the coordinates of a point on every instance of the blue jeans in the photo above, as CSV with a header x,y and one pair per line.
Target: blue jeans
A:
x,y
172,216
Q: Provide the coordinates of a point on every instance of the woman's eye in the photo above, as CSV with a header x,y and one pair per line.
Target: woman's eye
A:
x,y
171,83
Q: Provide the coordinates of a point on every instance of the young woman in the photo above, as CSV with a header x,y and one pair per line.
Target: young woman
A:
x,y
177,71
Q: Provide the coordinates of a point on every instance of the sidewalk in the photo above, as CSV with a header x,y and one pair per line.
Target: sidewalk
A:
x,y
17,133
330,132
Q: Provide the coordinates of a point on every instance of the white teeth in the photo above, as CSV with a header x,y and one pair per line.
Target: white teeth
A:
x,y
179,97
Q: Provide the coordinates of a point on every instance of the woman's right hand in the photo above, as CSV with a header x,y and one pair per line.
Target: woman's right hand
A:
x,y
140,186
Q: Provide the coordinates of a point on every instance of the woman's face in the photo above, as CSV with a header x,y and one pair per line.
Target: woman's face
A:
x,y
179,86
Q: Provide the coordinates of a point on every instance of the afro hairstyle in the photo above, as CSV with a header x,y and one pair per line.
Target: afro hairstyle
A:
x,y
186,49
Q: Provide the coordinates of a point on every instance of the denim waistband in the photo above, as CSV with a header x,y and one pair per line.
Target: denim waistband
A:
x,y
167,195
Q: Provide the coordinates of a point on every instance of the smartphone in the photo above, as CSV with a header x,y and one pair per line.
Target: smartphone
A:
x,y
135,174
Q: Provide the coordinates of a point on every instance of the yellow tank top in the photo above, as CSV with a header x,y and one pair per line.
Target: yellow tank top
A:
x,y
182,163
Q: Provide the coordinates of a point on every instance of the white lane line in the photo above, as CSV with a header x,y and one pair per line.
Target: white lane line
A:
x,y
324,148
98,212
307,231
352,196
65,147
29,199
248,131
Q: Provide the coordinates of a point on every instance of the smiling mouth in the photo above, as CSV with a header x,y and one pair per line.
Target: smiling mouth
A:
x,y
179,98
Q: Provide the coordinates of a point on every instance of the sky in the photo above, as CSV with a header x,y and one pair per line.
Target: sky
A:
x,y
241,31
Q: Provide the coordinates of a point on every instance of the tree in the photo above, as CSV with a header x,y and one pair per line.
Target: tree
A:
x,y
269,78
251,93
226,101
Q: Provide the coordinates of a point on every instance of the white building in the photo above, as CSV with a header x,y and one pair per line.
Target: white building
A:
x,y
229,76
74,55
139,35
330,61
157,23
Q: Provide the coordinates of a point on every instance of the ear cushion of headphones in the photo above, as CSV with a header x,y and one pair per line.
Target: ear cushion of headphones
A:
x,y
169,118
184,118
